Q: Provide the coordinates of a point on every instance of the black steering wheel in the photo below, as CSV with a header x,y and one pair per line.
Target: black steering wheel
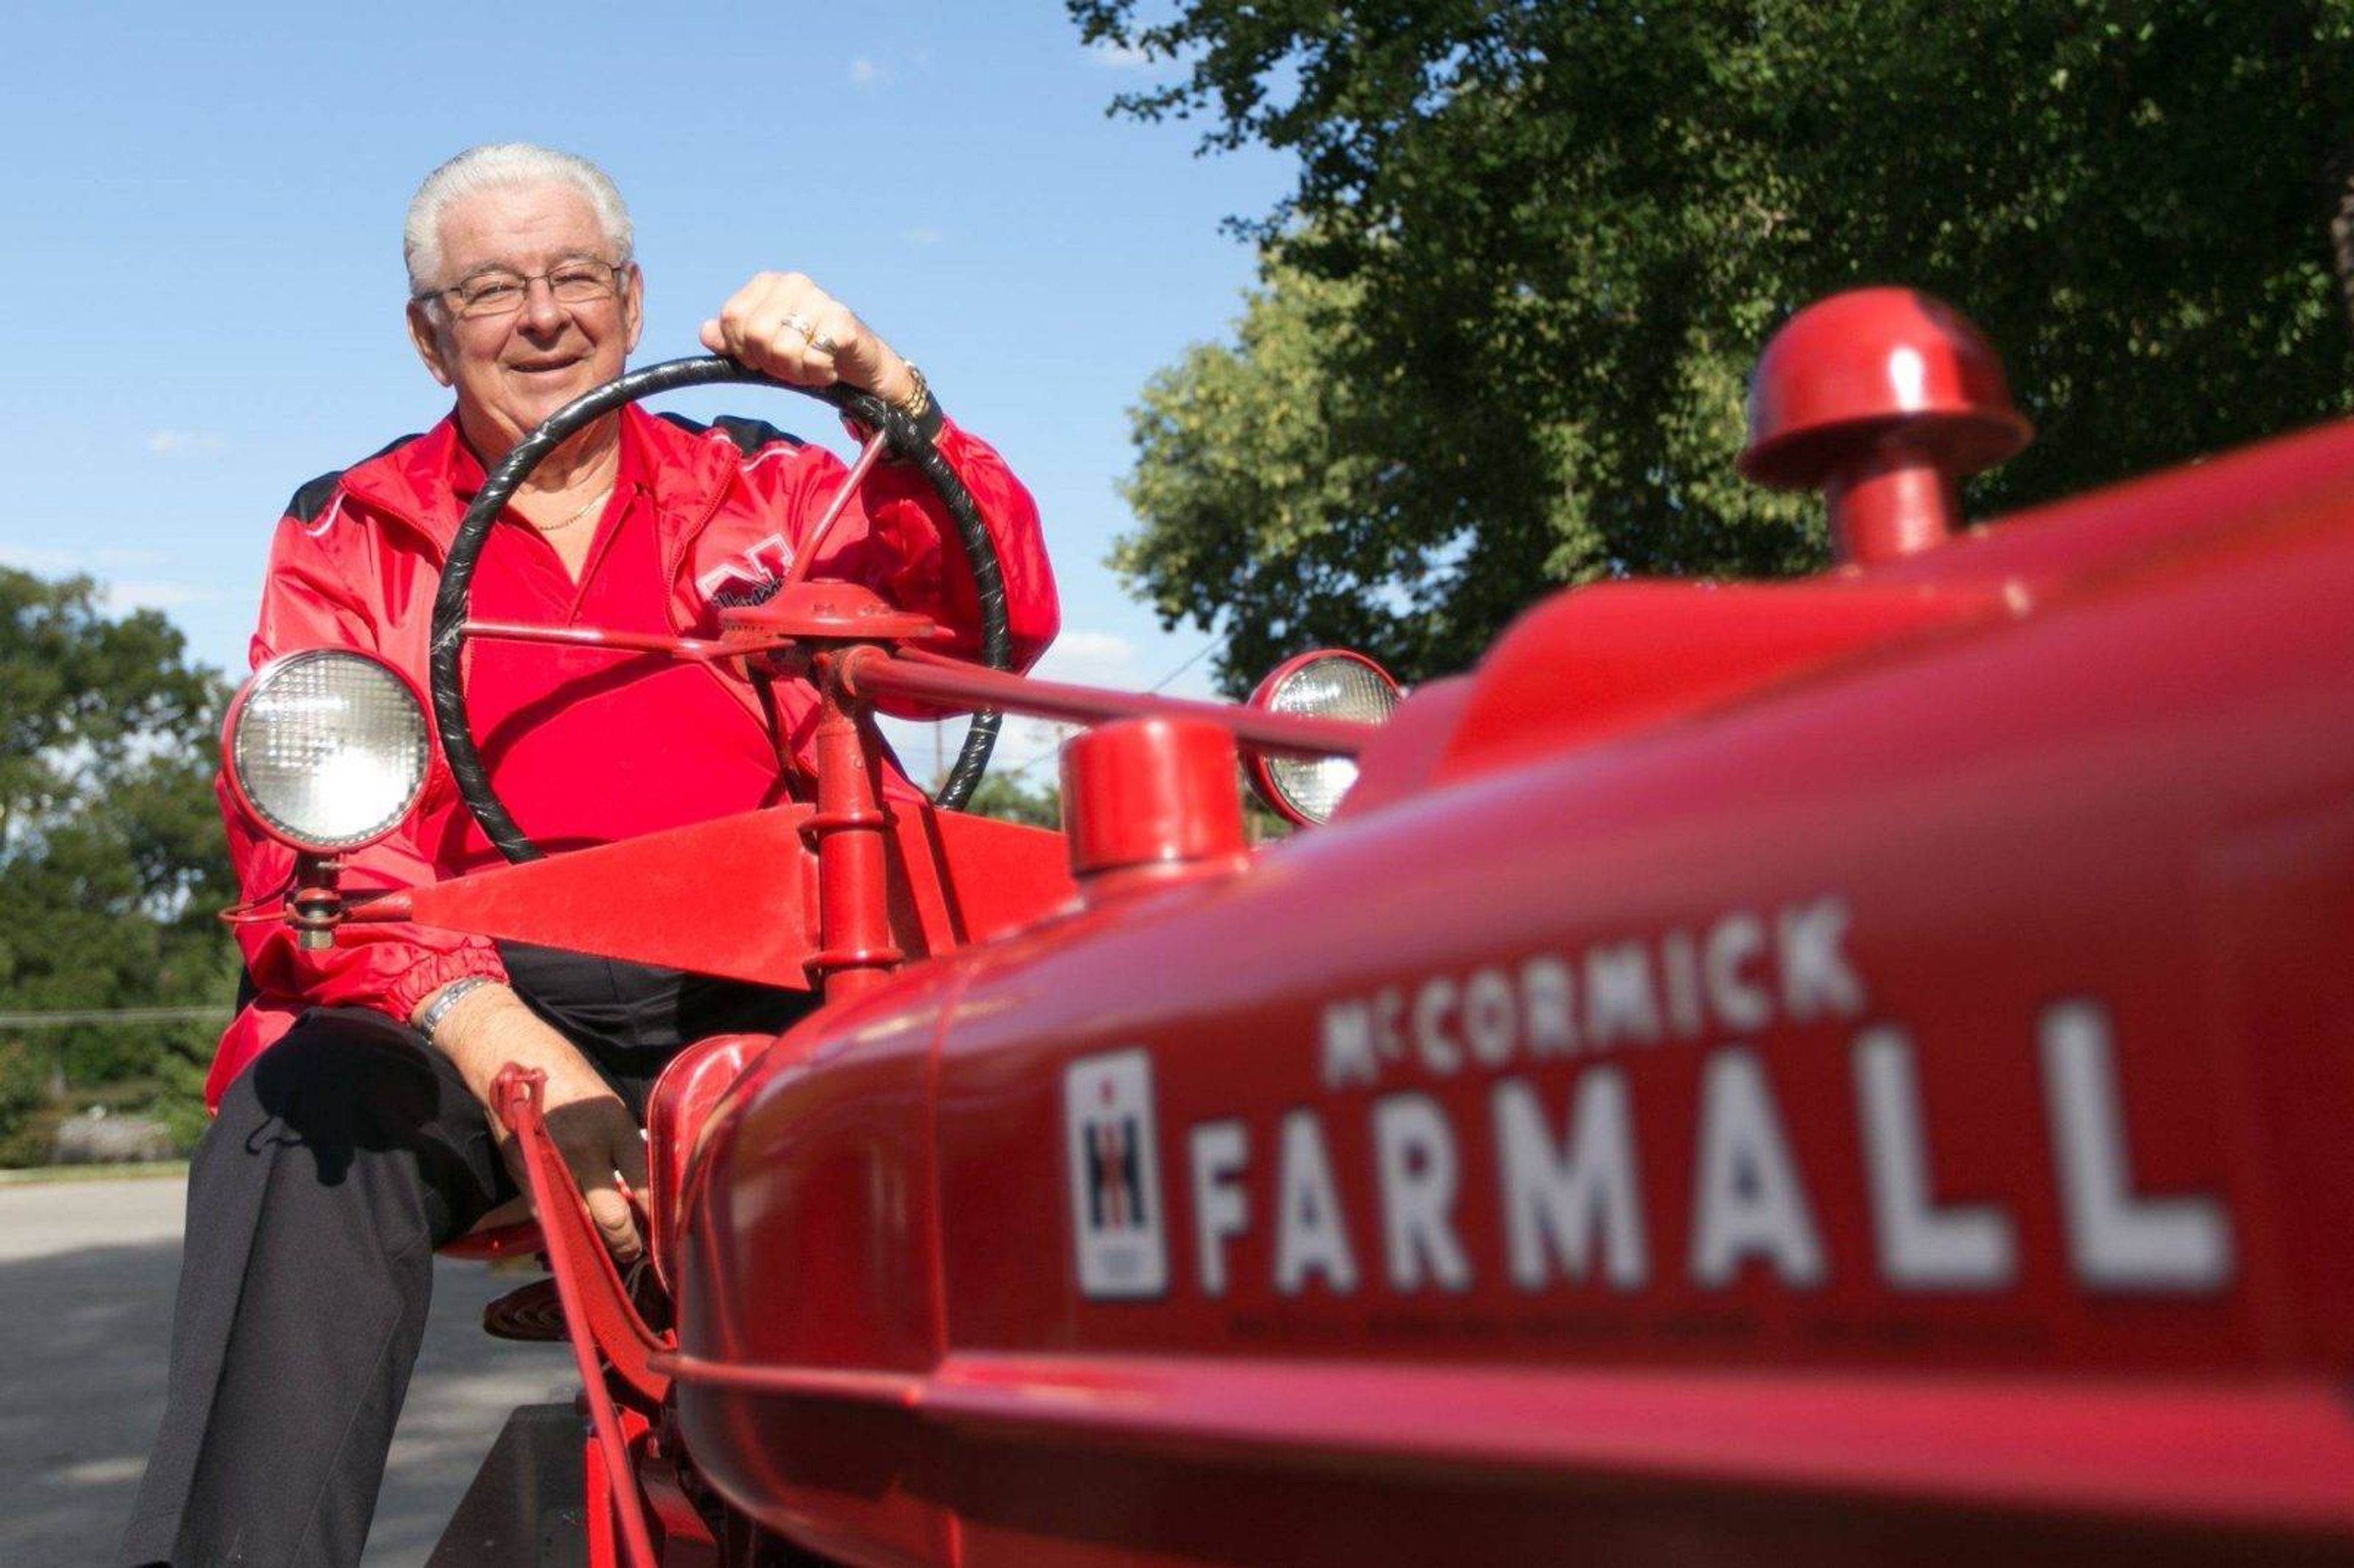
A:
x,y
450,605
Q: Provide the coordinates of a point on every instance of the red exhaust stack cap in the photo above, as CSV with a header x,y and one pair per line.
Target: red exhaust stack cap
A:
x,y
1882,398
1150,792
1865,365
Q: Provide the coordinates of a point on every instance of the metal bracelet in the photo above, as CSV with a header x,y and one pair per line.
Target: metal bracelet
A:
x,y
452,994
916,402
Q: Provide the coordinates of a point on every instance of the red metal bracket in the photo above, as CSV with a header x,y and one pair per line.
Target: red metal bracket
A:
x,y
694,650
599,1319
595,1299
868,671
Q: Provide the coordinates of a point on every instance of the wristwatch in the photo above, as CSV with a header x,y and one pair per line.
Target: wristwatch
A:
x,y
919,402
918,407
450,995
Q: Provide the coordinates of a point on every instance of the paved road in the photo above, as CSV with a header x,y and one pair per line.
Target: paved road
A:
x,y
86,1271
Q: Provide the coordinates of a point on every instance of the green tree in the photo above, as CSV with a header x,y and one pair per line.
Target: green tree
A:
x,y
1510,307
110,859
1011,799
1264,490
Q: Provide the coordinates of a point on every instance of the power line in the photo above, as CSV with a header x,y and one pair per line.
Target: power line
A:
x,y
1201,654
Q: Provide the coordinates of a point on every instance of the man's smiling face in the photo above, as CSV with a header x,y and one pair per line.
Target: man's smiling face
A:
x,y
512,370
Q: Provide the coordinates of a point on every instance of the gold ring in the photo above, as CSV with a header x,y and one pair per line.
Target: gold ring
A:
x,y
800,323
823,344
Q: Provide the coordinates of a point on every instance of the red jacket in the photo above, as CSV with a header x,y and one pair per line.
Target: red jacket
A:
x,y
357,558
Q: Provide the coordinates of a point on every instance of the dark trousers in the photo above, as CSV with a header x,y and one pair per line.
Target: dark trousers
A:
x,y
337,1162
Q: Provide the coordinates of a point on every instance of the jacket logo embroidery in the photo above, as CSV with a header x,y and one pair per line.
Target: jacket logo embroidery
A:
x,y
751,576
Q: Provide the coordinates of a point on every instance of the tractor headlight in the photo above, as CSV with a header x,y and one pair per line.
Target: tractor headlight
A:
x,y
1329,684
327,748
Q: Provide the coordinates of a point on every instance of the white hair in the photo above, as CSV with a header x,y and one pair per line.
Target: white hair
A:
x,y
505,166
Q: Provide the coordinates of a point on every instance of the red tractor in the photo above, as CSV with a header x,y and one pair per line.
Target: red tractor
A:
x,y
1857,1069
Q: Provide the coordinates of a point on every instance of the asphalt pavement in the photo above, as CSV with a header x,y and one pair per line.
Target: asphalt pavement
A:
x,y
87,1272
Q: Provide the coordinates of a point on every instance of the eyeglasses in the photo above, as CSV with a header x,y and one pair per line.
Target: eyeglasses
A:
x,y
503,293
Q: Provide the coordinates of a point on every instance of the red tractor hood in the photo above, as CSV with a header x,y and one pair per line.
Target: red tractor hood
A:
x,y
1864,1061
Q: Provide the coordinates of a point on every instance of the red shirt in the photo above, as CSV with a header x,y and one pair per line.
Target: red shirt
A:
x,y
671,745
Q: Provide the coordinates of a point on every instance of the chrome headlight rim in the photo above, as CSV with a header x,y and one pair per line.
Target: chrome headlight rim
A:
x,y
1272,778
236,729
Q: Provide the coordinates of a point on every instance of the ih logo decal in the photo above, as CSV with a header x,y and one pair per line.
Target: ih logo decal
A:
x,y
1117,1223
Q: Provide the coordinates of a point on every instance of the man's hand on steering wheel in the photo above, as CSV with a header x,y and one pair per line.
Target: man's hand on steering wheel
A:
x,y
784,324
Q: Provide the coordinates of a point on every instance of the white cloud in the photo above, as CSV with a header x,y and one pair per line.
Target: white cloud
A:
x,y
920,235
119,596
175,443
864,72
1095,644
1092,658
1119,57
37,558
129,596
49,558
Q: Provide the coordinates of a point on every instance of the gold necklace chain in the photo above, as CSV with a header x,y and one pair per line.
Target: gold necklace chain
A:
x,y
596,500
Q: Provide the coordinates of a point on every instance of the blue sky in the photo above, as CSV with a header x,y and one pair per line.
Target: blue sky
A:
x,y
200,241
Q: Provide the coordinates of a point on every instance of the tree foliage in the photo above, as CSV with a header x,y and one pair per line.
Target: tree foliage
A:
x,y
1509,310
110,859
1009,797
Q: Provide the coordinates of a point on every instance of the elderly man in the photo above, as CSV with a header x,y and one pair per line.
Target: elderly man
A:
x,y
351,1135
